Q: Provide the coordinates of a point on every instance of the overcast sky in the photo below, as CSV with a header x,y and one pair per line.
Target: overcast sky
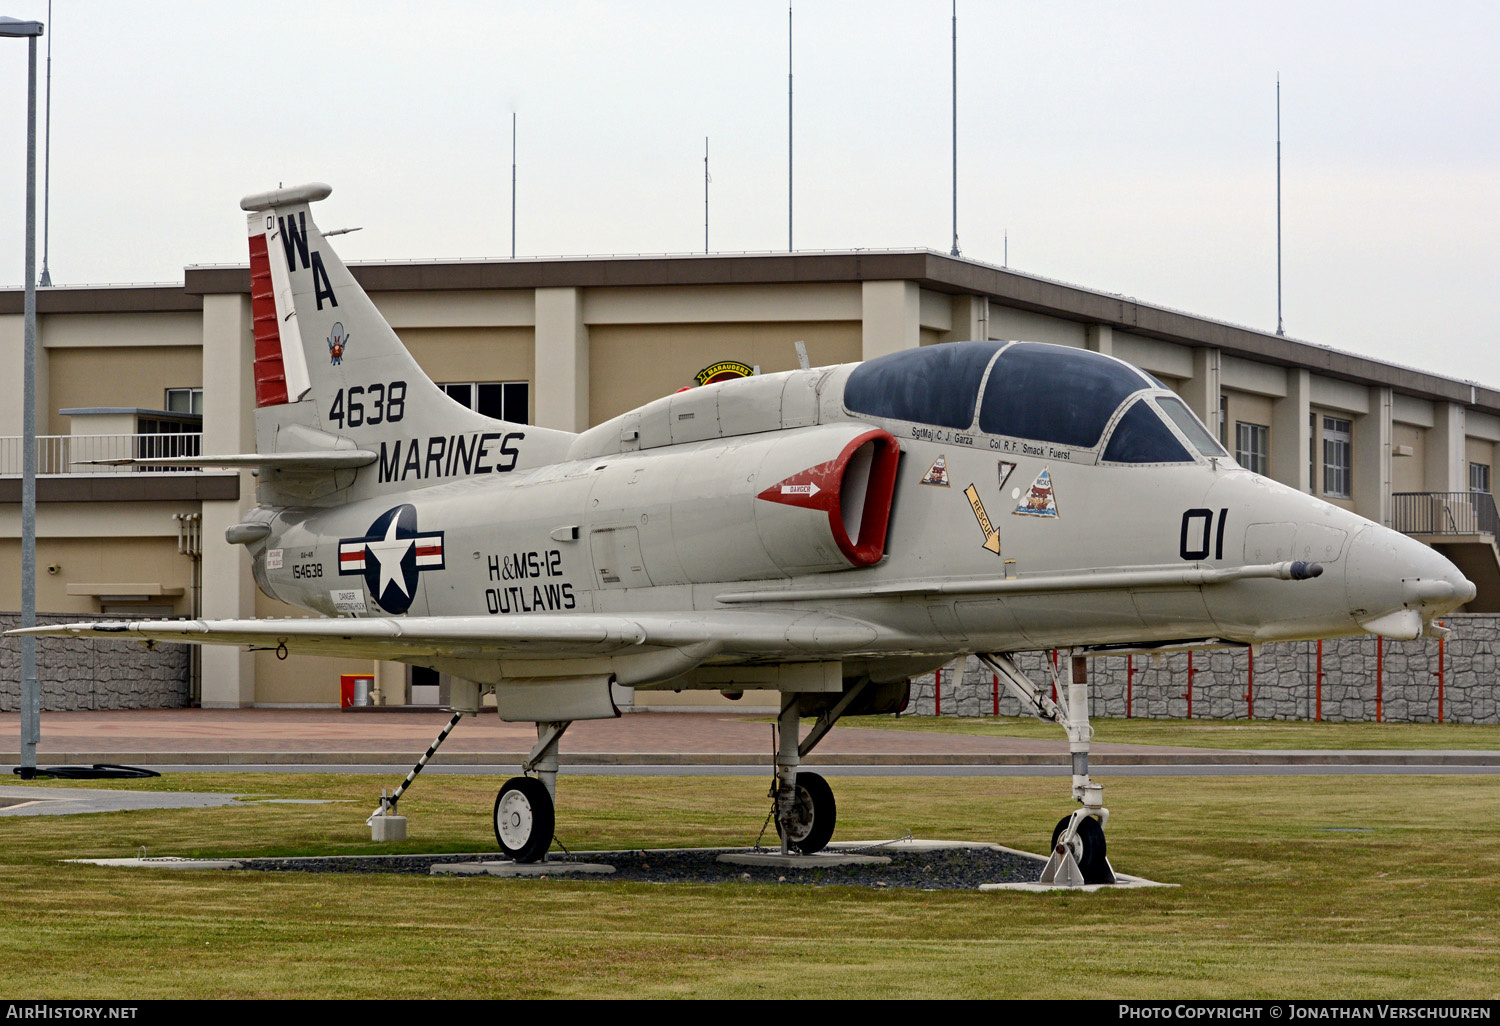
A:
x,y
1124,146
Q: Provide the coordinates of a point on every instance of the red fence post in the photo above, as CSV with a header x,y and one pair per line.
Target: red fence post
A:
x,y
1129,684
1189,695
1250,688
997,694
1054,675
937,692
1319,717
1379,675
1440,676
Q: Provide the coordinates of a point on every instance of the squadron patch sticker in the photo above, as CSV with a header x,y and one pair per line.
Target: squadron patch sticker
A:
x,y
337,343
1005,468
937,474
1039,500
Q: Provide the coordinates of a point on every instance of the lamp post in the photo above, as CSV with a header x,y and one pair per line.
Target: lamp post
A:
x,y
31,693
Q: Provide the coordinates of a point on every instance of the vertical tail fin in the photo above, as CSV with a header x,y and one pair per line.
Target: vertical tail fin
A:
x,y
331,373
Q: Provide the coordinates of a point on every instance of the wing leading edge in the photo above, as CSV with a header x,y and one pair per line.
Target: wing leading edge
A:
x,y
538,636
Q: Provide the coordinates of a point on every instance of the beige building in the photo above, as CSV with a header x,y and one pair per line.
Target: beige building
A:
x,y
569,343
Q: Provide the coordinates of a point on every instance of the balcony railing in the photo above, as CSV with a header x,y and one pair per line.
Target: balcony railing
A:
x,y
1444,513
71,454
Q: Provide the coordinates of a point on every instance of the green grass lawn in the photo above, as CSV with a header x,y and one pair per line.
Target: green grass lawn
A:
x,y
1211,733
1349,886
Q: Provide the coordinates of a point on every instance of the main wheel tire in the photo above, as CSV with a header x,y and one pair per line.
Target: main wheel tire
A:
x,y
815,816
524,819
1087,848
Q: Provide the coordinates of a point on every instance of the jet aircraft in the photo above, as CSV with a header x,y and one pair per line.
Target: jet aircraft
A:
x,y
829,532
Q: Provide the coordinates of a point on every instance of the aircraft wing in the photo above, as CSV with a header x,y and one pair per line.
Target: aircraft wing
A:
x,y
535,636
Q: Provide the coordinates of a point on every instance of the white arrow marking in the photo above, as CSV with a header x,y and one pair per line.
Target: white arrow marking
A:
x,y
800,489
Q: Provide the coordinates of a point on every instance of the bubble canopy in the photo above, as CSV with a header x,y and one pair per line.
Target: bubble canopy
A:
x,y
1031,390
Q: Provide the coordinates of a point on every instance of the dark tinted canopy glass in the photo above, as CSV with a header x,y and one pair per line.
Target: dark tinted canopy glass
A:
x,y
1191,426
1055,394
930,385
1141,437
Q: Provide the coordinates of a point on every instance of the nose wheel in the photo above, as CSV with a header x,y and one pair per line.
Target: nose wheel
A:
x,y
808,826
1084,845
525,819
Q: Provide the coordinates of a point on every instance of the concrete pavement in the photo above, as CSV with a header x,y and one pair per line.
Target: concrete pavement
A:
x,y
336,737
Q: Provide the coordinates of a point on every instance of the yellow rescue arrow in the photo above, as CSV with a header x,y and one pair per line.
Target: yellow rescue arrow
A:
x,y
991,536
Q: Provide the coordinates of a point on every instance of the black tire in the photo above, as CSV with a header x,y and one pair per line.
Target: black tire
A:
x,y
525,819
817,815
1088,850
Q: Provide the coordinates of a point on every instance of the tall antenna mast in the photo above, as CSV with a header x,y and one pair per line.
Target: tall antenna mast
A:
x,y
1278,205
954,251
706,180
47,162
512,185
789,128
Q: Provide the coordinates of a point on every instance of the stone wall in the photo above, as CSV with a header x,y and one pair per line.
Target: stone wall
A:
x,y
93,674
1284,685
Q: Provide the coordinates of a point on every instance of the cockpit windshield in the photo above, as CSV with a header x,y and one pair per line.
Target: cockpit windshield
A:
x,y
1190,425
1141,436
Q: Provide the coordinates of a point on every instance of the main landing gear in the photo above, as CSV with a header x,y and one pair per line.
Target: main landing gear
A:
x,y
805,812
1078,839
525,808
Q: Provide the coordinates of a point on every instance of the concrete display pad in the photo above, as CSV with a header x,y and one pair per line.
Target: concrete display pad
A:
x,y
166,862
822,860
1121,881
519,869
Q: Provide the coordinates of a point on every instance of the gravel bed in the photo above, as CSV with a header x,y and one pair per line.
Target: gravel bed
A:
x,y
942,869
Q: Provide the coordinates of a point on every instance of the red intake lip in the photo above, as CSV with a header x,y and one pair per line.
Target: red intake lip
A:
x,y
822,488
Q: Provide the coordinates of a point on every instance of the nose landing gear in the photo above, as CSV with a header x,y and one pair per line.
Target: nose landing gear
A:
x,y
1078,840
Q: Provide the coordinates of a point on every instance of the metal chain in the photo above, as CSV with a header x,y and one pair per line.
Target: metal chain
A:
x,y
877,845
764,824
775,783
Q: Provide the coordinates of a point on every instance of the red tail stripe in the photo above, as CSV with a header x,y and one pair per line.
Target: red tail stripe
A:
x,y
269,371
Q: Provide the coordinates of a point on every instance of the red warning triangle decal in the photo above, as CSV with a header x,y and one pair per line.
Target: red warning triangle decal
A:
x,y
813,488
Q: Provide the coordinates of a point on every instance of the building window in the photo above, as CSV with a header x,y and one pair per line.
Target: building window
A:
x,y
1312,452
1252,447
1479,477
1224,420
1337,449
185,400
503,400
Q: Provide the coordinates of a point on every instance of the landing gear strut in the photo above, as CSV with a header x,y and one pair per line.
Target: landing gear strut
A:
x,y
805,811
1078,840
525,808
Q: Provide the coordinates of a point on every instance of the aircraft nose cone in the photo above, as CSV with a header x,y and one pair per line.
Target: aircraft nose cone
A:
x,y
1389,575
